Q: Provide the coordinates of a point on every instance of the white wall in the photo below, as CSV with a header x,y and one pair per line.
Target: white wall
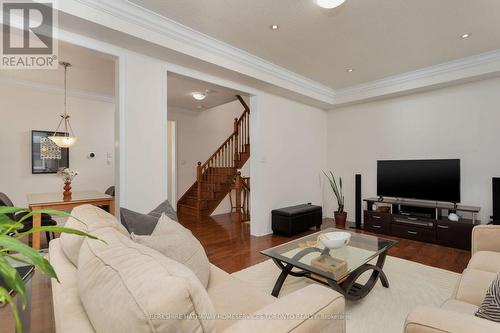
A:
x,y
23,109
455,122
199,134
288,143
144,179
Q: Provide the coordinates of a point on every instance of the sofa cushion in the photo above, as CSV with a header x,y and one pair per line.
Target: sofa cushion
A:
x,y
128,287
490,307
87,218
69,314
164,208
485,261
144,224
473,285
137,223
459,307
178,243
232,298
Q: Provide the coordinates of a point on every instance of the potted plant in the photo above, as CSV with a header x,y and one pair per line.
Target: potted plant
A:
x,y
10,242
340,215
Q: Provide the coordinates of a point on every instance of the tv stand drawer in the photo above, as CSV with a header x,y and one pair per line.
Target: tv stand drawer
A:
x,y
378,218
454,234
378,222
415,233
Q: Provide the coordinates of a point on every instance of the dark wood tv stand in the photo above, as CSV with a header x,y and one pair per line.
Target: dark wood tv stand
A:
x,y
425,221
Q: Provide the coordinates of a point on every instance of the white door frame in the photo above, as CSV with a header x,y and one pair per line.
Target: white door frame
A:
x,y
173,164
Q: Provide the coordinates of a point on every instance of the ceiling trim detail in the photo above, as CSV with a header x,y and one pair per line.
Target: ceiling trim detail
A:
x,y
476,67
57,89
135,14
129,18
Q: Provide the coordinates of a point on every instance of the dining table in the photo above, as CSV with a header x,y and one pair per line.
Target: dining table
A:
x,y
39,201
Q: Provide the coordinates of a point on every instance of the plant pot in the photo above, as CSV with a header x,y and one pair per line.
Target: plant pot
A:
x,y
67,192
340,219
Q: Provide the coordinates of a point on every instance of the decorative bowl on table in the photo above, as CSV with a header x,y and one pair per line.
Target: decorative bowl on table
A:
x,y
335,239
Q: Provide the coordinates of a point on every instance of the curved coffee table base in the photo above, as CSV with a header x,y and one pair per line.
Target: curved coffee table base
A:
x,y
348,287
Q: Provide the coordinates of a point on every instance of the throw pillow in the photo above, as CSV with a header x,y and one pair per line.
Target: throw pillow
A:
x,y
137,223
164,207
127,287
490,307
178,243
87,218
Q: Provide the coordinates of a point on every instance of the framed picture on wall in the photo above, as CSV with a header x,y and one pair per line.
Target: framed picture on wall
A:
x,y
46,156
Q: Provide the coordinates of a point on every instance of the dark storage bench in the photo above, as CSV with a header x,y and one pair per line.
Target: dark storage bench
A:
x,y
296,219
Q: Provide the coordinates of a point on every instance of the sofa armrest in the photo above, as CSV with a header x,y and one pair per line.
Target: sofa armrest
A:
x,y
434,320
311,309
486,238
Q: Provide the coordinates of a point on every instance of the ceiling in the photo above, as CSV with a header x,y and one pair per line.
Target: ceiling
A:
x,y
377,38
91,71
181,87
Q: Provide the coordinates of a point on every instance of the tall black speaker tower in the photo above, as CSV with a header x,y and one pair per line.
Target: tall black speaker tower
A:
x,y
358,201
496,200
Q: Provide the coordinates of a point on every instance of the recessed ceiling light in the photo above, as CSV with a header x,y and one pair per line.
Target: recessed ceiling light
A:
x,y
329,4
198,96
274,27
465,36
350,70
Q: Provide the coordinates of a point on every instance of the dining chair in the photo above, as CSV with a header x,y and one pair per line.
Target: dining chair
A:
x,y
47,219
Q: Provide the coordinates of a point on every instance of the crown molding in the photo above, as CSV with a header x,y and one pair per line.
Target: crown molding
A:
x,y
139,16
137,21
57,89
477,67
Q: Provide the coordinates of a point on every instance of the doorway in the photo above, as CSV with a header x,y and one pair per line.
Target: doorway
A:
x,y
172,162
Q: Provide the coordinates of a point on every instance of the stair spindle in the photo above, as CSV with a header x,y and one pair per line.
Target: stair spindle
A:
x,y
218,168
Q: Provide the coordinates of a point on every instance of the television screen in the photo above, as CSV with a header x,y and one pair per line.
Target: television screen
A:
x,y
437,180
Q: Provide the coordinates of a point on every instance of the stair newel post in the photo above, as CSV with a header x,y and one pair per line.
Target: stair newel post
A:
x,y
236,132
199,175
247,117
238,196
244,130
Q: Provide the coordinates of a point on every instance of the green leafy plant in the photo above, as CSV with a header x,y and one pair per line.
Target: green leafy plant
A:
x,y
337,190
10,243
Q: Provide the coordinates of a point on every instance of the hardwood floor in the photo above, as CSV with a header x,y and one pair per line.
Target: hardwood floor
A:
x,y
229,246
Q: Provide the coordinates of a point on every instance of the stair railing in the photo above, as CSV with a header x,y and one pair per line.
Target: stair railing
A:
x,y
228,154
224,161
242,187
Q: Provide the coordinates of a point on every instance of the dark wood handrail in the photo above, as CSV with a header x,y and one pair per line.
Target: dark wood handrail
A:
x,y
242,101
233,136
228,154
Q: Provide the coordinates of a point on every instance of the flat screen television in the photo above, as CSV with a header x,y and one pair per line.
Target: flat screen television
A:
x,y
436,180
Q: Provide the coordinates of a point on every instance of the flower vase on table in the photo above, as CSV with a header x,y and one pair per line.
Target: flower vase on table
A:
x,y
67,192
67,175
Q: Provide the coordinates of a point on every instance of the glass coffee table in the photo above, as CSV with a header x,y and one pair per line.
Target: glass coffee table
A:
x,y
340,269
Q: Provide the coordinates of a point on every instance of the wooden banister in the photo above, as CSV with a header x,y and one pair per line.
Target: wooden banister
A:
x,y
242,101
227,158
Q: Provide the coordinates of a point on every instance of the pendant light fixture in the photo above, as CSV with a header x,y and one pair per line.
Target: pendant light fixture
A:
x,y
69,138
329,4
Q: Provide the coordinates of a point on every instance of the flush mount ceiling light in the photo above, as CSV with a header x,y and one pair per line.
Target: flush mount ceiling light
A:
x,y
199,96
274,27
465,36
68,139
350,70
329,4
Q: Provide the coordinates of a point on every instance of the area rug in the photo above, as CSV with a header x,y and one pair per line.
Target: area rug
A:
x,y
384,309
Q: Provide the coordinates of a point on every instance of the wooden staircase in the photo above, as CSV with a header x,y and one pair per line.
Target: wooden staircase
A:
x,y
216,177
